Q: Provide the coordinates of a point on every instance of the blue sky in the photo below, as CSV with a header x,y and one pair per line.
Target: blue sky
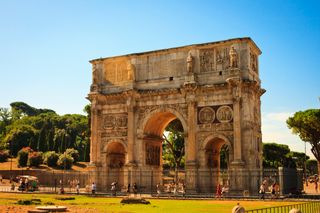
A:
x,y
45,47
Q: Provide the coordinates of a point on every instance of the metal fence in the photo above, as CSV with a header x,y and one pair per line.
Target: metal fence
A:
x,y
147,180
308,207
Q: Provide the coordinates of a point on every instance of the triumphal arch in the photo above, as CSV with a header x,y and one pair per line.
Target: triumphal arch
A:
x,y
214,90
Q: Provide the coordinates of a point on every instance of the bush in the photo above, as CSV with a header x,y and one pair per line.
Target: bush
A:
x,y
4,155
65,161
34,159
74,154
23,156
50,158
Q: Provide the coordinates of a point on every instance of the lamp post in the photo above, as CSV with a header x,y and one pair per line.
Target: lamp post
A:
x,y
10,156
305,163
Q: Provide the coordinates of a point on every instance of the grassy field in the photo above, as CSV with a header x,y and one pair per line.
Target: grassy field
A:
x,y
103,204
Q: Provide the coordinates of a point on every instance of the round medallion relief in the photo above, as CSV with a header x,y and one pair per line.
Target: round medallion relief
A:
x,y
206,115
224,114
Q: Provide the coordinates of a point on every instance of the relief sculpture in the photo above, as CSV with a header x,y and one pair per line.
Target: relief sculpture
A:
x,y
152,154
206,115
207,60
253,61
224,114
115,125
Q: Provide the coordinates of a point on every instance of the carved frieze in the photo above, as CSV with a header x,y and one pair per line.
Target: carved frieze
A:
x,y
115,125
152,154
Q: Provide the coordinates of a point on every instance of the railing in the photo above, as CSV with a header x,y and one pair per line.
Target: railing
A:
x,y
307,207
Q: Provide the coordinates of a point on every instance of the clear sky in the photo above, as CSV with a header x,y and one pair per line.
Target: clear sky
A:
x,y
45,47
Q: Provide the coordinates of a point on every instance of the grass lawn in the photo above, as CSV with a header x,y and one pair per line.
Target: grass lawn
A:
x,y
105,204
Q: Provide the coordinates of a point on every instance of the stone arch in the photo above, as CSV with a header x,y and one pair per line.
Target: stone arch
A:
x,y
158,113
217,141
116,153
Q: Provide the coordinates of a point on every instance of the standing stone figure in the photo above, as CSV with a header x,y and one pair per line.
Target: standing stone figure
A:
x,y
94,74
233,55
130,70
189,63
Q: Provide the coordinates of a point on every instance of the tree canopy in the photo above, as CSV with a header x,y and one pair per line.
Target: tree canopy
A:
x,y
306,124
43,130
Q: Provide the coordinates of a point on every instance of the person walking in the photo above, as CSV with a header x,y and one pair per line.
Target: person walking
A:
x,y
218,191
158,190
262,191
135,188
93,188
78,188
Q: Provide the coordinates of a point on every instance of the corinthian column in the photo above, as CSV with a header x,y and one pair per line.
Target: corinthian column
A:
x,y
131,127
235,87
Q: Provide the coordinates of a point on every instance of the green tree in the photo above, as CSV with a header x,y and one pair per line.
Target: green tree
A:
x,y
275,155
173,148
50,158
299,158
306,124
65,161
312,167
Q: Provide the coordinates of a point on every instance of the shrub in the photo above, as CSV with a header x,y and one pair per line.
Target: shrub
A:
x,y
23,156
74,154
34,159
65,161
50,158
4,155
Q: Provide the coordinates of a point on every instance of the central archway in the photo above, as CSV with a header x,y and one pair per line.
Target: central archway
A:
x,y
153,139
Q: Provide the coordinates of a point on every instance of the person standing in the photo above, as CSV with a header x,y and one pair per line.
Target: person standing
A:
x,y
93,188
218,191
158,190
78,188
262,191
135,188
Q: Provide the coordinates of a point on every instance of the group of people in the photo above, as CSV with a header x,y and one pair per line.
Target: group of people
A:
x,y
274,190
221,190
173,188
74,184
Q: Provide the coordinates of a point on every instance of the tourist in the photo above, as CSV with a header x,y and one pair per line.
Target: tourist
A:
x,y
183,190
224,190
135,188
78,188
158,190
93,188
174,185
13,186
114,188
262,191
128,188
61,190
273,190
218,191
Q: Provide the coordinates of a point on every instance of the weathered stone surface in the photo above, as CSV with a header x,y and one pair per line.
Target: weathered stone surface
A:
x,y
213,89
